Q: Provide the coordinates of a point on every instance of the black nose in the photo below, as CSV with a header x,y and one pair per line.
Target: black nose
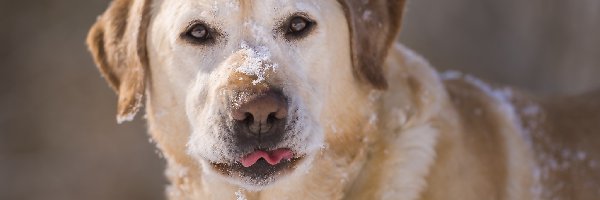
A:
x,y
262,115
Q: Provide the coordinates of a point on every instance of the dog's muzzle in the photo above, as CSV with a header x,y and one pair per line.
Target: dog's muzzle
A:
x,y
260,122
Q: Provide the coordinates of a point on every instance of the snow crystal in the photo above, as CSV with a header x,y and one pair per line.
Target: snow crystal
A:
x,y
126,118
566,153
334,128
305,6
367,14
159,154
180,172
257,31
344,177
581,155
129,116
373,119
501,94
257,62
233,4
451,75
215,7
240,195
400,115
374,95
173,191
531,110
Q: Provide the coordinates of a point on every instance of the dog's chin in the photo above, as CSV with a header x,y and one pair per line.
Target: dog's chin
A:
x,y
258,176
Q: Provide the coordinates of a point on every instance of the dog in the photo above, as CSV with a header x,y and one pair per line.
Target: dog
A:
x,y
314,99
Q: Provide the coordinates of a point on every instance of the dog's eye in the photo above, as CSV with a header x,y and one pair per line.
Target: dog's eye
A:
x,y
298,24
198,33
298,27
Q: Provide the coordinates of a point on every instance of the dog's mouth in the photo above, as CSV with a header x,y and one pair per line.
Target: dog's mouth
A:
x,y
261,167
271,157
264,141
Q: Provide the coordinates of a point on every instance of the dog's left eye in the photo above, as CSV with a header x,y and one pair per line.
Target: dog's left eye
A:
x,y
298,27
298,24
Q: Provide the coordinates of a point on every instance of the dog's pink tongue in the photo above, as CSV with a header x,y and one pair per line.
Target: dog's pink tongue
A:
x,y
272,157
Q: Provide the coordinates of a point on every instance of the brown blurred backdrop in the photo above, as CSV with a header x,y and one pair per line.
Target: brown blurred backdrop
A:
x,y
59,139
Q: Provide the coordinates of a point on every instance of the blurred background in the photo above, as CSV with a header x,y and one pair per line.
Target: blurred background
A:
x,y
58,135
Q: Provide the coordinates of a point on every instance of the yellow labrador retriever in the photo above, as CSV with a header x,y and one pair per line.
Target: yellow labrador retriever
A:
x,y
311,99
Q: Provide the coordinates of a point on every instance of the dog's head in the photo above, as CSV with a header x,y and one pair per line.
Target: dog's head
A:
x,y
253,82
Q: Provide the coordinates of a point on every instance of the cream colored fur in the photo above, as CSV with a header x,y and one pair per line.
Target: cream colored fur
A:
x,y
424,137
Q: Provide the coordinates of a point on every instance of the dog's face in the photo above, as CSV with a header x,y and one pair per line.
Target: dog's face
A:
x,y
252,76
254,83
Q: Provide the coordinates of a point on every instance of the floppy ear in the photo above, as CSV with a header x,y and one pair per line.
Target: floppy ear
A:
x,y
117,42
374,25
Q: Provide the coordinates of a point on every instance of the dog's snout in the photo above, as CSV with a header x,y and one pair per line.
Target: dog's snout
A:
x,y
262,112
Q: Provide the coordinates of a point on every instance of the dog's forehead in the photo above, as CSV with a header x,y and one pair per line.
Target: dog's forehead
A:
x,y
246,8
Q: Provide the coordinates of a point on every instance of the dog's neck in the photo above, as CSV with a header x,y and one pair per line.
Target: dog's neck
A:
x,y
407,140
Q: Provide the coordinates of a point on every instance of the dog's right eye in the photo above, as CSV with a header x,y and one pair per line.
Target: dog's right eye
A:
x,y
198,33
